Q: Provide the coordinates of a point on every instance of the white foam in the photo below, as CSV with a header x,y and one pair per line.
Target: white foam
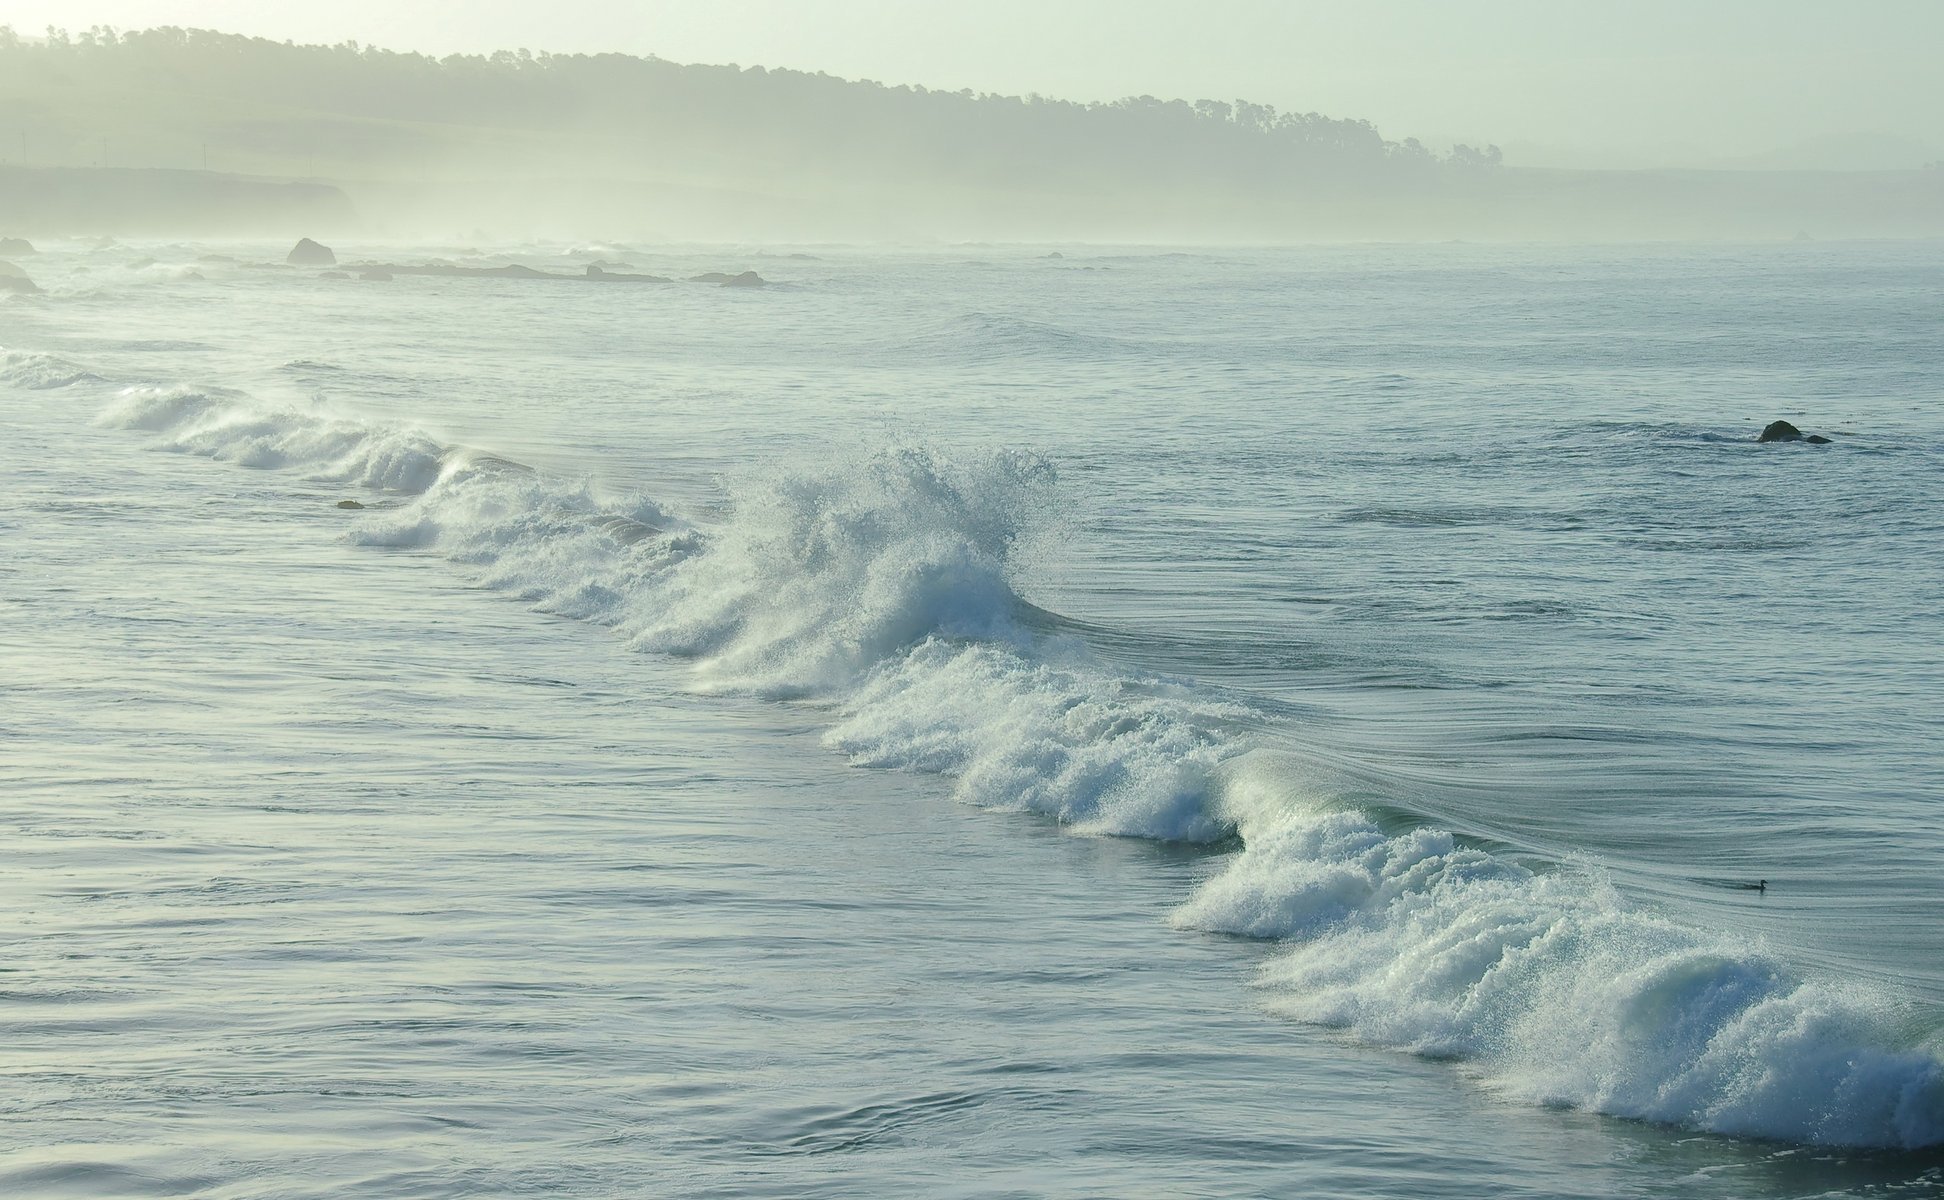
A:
x,y
1554,986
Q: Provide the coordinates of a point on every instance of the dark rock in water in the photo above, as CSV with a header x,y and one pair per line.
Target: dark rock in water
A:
x,y
599,274
382,271
334,274
13,279
746,279
1782,431
17,246
1055,254
375,276
349,504
307,253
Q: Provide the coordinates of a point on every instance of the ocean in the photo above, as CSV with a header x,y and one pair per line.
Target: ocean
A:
x,y
970,721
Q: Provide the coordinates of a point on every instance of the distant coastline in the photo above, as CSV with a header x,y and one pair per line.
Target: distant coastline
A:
x,y
117,132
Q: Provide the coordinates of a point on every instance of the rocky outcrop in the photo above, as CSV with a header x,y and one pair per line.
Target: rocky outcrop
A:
x,y
13,279
1782,431
746,279
598,274
595,274
16,246
307,253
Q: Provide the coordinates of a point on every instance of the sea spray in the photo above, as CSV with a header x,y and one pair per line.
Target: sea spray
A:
x,y
823,574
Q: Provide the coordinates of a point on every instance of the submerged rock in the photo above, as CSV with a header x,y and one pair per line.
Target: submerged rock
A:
x,y
1782,431
307,253
334,274
13,245
375,276
349,504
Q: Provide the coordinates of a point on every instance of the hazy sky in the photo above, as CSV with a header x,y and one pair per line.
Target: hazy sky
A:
x,y
1631,82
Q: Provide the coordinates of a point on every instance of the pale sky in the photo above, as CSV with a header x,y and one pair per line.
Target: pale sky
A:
x,y
1624,83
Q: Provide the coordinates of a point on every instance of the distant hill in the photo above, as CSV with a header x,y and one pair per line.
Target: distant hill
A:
x,y
614,145
86,200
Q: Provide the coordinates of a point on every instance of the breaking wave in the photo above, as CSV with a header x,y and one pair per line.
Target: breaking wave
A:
x,y
883,588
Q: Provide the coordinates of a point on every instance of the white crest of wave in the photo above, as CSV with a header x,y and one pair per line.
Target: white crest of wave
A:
x,y
37,371
238,428
560,545
1017,731
1559,990
821,574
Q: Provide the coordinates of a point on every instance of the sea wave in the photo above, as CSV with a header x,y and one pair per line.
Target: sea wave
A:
x,y
884,588
33,369
1553,984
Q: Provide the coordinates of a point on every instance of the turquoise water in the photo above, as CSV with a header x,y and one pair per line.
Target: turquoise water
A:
x,y
957,722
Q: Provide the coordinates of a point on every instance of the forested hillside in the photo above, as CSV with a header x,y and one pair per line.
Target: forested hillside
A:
x,y
634,146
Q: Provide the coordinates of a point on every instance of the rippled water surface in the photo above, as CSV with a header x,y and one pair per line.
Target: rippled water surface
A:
x,y
1301,722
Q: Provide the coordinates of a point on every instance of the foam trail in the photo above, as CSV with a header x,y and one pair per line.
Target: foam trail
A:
x,y
881,587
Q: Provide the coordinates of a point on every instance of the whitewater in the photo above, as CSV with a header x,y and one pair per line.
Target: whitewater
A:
x,y
1496,773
